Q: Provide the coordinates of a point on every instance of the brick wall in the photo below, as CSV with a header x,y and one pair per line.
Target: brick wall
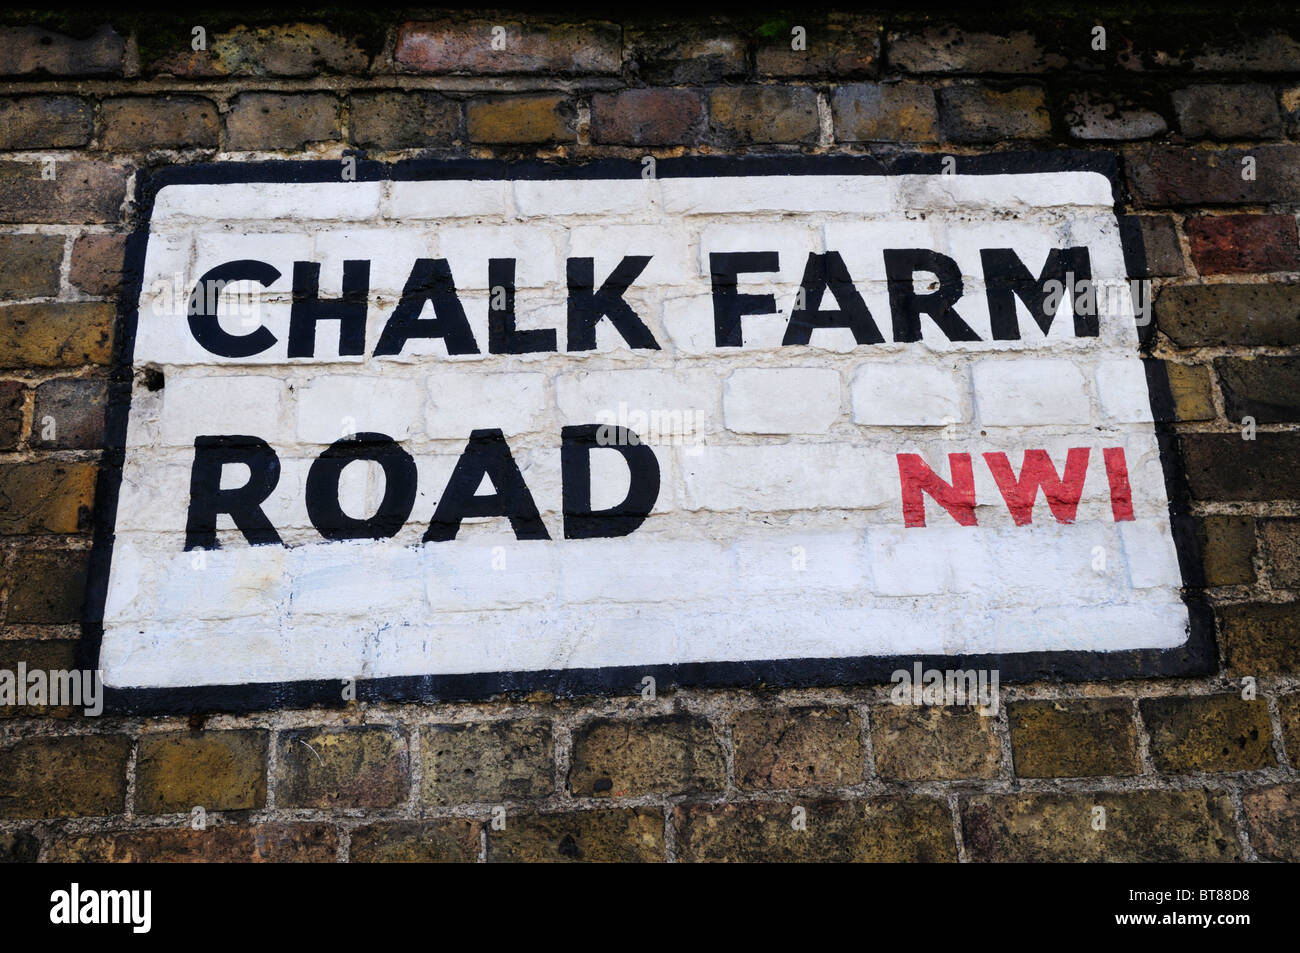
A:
x,y
1185,768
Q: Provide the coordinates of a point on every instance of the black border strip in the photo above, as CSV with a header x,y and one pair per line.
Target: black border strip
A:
x,y
1196,656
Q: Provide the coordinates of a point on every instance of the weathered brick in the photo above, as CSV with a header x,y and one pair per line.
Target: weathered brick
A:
x,y
448,840
983,114
1250,314
949,49
635,835
1140,826
1190,386
1290,100
888,830
12,398
885,112
29,50
1073,738
522,119
281,120
666,755
215,770
647,117
45,122
841,45
1266,388
47,587
46,497
134,123
1265,51
1243,244
263,843
1273,820
1223,466
800,747
97,263
1289,709
342,767
46,655
1182,175
29,265
685,52
402,120
1158,236
1260,638
487,762
69,414
1227,549
745,115
56,334
19,847
1280,541
1236,111
916,743
74,776
81,192
1208,733
1097,116
296,49
446,46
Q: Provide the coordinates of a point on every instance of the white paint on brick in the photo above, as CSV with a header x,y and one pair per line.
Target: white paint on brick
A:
x,y
1025,393
1122,388
778,529
908,395
786,400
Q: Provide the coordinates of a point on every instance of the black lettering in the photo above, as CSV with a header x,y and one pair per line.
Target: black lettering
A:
x,y
323,488
587,307
1006,277
307,308
729,306
487,453
906,306
205,327
823,272
430,281
243,504
503,336
580,520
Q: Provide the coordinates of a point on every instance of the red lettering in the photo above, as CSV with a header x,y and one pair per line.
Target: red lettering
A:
x,y
1121,494
958,497
1038,470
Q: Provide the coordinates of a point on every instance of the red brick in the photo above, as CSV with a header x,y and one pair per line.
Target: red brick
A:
x,y
647,117
31,51
135,123
445,46
1243,244
296,49
29,265
97,263
80,193
258,121
44,122
264,843
1181,175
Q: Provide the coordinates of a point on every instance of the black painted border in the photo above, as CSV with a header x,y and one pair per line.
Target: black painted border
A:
x,y
1198,655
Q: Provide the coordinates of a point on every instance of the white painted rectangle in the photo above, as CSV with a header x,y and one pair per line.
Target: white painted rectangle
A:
x,y
778,530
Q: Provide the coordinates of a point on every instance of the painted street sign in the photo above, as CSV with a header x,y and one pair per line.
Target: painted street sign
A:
x,y
458,428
